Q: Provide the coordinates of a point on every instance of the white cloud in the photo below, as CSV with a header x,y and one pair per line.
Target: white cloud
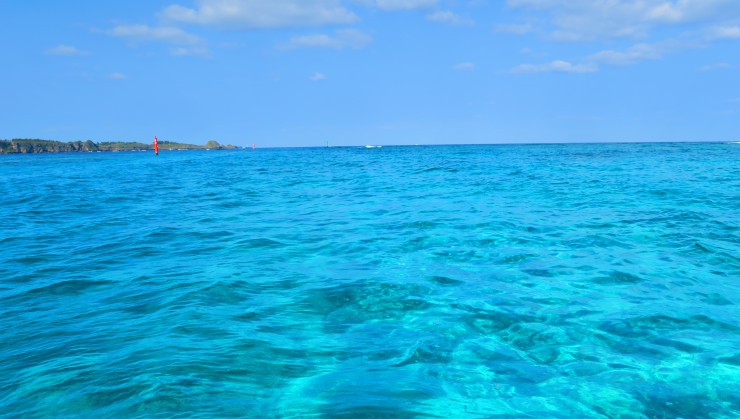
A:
x,y
185,43
575,20
466,66
398,4
65,50
346,38
639,52
725,32
446,16
190,51
629,56
262,13
718,66
117,76
679,11
169,34
557,66
666,11
516,28
317,77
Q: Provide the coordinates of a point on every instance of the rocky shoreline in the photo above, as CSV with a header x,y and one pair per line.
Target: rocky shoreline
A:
x,y
32,146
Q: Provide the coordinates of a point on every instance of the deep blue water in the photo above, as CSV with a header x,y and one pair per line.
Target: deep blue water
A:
x,y
447,281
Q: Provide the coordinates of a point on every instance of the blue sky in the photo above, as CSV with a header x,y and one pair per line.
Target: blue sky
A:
x,y
352,72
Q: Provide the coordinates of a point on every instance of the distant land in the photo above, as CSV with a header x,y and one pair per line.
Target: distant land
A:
x,y
30,146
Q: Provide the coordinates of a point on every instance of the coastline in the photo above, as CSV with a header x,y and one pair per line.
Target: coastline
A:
x,y
36,146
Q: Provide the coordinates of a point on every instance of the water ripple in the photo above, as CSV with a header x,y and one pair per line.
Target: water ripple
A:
x,y
462,281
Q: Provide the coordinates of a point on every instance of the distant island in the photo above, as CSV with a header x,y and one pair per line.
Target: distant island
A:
x,y
29,146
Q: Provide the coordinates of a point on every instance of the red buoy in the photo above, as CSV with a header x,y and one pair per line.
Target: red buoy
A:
x,y
156,146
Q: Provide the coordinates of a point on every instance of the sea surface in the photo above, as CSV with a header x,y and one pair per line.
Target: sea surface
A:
x,y
540,281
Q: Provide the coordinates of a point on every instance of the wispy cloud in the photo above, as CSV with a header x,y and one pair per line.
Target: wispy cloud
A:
x,y
640,52
65,50
725,32
117,76
450,18
345,38
557,66
629,56
317,77
515,28
184,44
261,13
142,33
466,66
398,4
719,66
190,51
578,20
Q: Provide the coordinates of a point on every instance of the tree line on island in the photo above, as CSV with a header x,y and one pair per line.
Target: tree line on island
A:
x,y
28,146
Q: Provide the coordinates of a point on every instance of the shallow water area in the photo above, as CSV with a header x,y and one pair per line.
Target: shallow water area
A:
x,y
586,280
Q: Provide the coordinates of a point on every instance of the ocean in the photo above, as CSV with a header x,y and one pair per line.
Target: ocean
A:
x,y
559,281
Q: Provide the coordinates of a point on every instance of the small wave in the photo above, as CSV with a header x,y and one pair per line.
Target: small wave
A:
x,y
445,281
426,355
438,169
515,259
71,287
618,278
258,243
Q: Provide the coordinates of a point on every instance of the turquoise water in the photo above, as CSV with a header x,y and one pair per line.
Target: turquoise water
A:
x,y
447,281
